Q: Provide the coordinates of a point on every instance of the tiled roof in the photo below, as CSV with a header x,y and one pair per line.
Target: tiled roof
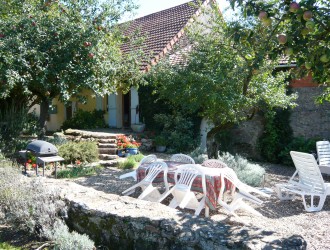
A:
x,y
161,30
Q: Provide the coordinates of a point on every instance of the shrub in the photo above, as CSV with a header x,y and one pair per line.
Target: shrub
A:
x,y
129,163
199,155
79,171
82,151
14,120
249,173
30,205
6,246
299,144
277,134
136,158
179,131
85,120
57,140
66,240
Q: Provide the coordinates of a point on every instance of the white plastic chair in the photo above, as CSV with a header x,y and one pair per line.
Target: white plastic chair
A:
x,y
150,192
307,181
145,160
182,158
243,193
323,156
213,163
181,191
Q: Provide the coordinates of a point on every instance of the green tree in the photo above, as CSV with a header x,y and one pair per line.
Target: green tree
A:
x,y
227,76
302,30
53,48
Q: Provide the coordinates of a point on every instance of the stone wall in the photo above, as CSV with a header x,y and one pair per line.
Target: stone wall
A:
x,y
310,120
122,223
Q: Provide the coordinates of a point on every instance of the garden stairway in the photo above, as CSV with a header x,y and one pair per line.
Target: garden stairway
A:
x,y
106,142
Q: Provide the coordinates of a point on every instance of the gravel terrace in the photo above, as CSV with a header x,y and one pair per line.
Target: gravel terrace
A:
x,y
288,217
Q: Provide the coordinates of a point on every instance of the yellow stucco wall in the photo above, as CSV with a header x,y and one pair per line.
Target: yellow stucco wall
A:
x,y
56,120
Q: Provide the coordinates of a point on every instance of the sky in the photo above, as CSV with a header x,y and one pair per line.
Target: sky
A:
x,y
151,6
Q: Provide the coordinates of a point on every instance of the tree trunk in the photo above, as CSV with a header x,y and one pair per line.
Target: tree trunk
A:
x,y
44,107
211,144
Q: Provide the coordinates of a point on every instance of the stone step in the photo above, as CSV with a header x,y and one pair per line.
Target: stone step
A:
x,y
90,134
107,145
107,141
108,163
109,151
108,156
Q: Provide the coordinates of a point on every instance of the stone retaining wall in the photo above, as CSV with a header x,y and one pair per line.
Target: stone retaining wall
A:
x,y
308,119
120,222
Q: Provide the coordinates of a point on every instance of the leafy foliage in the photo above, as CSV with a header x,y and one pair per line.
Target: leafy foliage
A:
x,y
249,173
79,171
137,157
14,120
305,27
79,151
277,134
179,130
54,49
299,144
199,155
30,205
226,74
85,120
129,163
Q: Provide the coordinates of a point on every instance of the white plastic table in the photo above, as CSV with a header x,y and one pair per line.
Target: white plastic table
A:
x,y
43,160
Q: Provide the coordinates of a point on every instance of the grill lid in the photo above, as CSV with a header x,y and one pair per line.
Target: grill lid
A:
x,y
42,148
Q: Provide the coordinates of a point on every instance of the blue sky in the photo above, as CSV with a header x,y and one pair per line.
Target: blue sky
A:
x,y
151,6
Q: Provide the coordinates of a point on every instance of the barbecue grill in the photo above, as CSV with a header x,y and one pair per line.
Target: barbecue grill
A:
x,y
42,148
44,151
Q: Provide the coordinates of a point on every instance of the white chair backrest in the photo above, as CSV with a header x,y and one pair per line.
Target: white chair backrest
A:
x,y
230,175
182,158
186,174
323,152
148,159
308,171
154,169
213,163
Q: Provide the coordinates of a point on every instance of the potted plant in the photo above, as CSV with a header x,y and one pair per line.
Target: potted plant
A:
x,y
137,126
132,147
160,143
122,140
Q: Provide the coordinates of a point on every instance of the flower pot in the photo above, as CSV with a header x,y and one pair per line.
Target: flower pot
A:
x,y
160,149
121,153
132,151
139,128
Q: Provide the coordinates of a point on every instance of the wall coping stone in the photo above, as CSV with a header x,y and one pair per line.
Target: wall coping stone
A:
x,y
122,222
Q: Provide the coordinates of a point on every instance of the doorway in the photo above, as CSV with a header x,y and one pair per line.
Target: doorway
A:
x,y
127,110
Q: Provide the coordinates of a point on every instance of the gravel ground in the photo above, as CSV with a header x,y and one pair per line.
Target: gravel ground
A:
x,y
288,217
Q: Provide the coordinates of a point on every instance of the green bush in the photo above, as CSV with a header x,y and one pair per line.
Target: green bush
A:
x,y
249,173
28,204
199,155
179,131
6,246
276,135
85,120
137,157
79,151
14,120
129,163
299,144
79,171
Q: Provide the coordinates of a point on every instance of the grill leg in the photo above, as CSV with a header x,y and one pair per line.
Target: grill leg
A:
x,y
55,169
43,169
